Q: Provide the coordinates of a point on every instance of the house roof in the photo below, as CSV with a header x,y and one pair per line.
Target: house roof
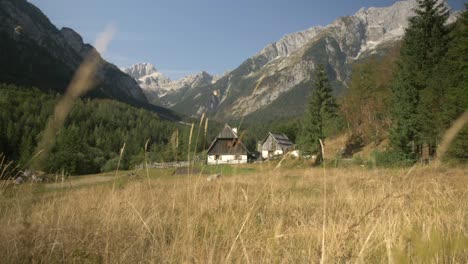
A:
x,y
224,146
227,143
281,139
227,132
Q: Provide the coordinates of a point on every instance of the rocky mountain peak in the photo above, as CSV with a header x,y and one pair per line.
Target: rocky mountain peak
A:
x,y
156,85
197,79
368,24
386,19
289,43
140,70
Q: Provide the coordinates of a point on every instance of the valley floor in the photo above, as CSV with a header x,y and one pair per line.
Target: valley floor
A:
x,y
252,214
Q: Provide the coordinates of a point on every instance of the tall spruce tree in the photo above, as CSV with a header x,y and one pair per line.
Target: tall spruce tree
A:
x,y
416,105
452,75
321,107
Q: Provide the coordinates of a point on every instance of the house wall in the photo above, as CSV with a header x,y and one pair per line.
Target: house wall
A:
x,y
295,153
226,159
269,144
271,148
267,154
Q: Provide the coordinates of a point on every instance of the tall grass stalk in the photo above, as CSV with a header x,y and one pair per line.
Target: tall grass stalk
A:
x,y
324,220
200,127
118,164
146,163
205,133
450,135
188,150
4,175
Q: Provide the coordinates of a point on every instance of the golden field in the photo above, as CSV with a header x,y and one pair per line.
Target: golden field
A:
x,y
252,214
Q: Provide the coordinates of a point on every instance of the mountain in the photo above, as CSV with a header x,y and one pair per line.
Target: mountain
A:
x,y
150,80
120,85
276,81
161,90
33,52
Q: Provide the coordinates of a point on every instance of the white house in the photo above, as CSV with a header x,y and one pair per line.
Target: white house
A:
x,y
275,144
227,148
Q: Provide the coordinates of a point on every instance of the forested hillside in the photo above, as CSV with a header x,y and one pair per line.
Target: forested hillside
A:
x,y
33,52
92,135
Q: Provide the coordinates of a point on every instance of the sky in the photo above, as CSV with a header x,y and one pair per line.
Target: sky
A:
x,y
181,37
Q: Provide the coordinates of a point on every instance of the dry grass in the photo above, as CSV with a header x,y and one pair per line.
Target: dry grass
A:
x,y
380,216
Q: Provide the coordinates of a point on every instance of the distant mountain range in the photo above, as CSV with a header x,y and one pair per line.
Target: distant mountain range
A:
x,y
158,87
276,81
33,52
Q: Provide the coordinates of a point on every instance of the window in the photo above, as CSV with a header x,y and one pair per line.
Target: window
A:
x,y
238,157
216,157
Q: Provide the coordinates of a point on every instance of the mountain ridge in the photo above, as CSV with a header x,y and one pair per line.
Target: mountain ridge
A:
x,y
156,85
36,53
278,68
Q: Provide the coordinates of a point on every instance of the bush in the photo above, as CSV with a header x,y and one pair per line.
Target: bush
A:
x,y
111,165
358,161
390,159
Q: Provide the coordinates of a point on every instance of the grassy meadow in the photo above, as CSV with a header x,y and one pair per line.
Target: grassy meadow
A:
x,y
252,214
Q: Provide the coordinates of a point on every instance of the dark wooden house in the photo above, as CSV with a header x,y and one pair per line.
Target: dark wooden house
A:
x,y
227,148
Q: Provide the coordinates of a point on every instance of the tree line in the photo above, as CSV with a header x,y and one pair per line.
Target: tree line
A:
x,y
92,136
410,96
431,85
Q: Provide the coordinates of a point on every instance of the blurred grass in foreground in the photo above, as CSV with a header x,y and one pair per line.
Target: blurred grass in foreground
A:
x,y
252,215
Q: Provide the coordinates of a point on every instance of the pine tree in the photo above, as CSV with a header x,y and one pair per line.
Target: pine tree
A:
x,y
321,107
452,75
416,104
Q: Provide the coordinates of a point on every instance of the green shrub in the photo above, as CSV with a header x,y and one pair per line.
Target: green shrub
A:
x,y
111,165
390,159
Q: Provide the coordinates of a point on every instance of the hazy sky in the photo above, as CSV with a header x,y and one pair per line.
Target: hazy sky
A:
x,y
182,37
